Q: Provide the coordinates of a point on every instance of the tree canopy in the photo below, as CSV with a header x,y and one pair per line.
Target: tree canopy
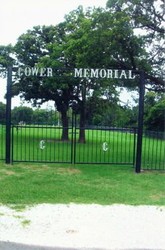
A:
x,y
124,35
148,22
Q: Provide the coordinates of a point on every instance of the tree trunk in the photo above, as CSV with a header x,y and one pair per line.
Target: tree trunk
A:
x,y
65,129
82,125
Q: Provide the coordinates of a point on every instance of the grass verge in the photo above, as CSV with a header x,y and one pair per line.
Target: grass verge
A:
x,y
29,184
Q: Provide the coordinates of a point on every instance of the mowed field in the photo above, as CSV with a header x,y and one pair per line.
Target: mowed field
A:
x,y
24,184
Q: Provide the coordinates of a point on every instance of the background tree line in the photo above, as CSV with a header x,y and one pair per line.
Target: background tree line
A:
x,y
114,115
123,35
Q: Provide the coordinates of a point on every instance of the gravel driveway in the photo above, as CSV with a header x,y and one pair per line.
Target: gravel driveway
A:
x,y
84,226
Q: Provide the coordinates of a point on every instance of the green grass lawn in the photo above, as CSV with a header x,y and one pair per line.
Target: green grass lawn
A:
x,y
29,184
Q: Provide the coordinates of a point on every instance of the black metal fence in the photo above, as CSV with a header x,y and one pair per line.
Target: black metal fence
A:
x,y
153,150
103,145
106,145
41,144
2,141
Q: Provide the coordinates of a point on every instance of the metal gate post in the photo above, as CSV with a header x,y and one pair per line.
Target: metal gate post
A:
x,y
140,122
8,115
74,138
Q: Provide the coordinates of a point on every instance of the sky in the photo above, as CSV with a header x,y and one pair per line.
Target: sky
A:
x,y
17,16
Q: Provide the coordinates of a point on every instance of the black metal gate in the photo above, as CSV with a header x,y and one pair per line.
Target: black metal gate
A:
x,y
41,144
36,143
33,153
102,145
106,146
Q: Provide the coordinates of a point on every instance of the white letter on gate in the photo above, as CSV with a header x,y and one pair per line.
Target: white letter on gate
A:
x,y
34,71
27,71
109,73
130,76
94,73
49,72
77,72
116,73
42,71
123,74
19,72
86,72
103,73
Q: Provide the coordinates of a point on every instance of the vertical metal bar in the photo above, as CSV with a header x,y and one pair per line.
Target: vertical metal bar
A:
x,y
140,122
128,141
126,151
121,132
134,146
74,139
114,152
8,115
152,149
12,153
145,159
156,149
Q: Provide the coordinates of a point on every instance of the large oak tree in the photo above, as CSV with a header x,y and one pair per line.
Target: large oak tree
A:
x,y
94,38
